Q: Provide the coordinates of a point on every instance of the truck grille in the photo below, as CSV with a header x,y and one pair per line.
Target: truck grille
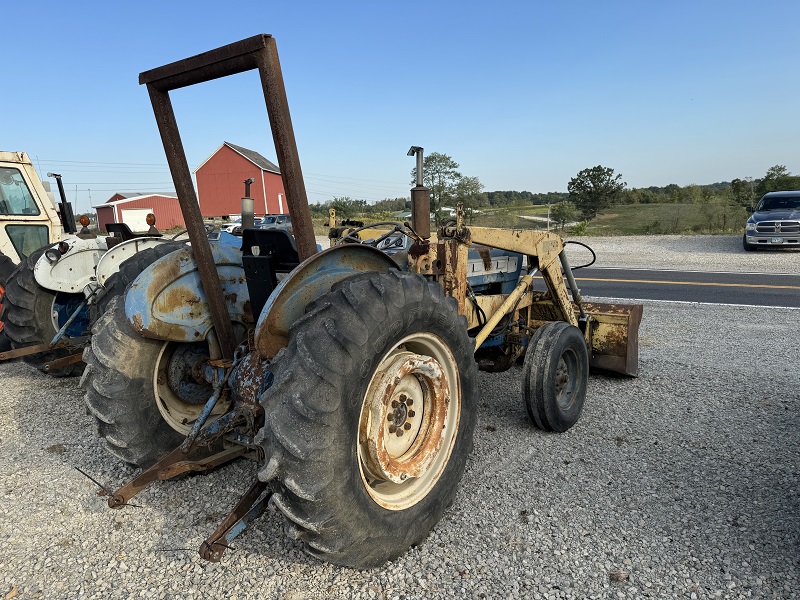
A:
x,y
778,227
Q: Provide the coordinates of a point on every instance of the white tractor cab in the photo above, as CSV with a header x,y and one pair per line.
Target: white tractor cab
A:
x,y
27,214
50,272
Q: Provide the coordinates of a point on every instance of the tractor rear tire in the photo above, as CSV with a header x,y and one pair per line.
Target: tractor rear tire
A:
x,y
28,317
370,418
556,373
119,389
7,267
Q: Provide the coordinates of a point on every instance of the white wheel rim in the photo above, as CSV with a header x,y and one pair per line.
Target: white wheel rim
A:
x,y
409,421
179,414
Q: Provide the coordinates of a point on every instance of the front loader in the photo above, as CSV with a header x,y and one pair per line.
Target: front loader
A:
x,y
347,375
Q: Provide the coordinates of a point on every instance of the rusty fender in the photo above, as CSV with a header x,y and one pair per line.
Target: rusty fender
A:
x,y
166,301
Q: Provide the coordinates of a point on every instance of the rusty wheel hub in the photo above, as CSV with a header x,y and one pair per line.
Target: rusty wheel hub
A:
x,y
409,421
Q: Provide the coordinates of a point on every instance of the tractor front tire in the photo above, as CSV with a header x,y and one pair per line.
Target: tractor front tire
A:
x,y
28,317
556,373
370,418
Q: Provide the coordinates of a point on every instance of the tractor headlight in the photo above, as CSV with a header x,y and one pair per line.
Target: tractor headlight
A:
x,y
52,255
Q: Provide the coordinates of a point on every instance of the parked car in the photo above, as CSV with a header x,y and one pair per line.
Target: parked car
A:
x,y
276,222
774,222
236,226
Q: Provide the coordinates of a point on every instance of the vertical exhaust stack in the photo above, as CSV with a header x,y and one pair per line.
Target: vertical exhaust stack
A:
x,y
420,199
248,206
64,207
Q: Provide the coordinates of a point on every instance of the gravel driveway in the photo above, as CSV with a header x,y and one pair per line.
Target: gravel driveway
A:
x,y
684,483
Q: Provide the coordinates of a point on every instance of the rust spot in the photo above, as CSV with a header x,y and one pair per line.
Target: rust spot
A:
x,y
486,256
248,312
417,250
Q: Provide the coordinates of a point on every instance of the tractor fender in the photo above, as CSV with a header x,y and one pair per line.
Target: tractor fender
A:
x,y
74,269
167,302
113,258
309,281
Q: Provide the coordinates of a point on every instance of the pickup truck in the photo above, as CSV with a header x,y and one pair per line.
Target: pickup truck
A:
x,y
774,222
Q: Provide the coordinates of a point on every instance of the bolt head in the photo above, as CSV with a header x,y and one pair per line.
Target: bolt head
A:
x,y
407,426
411,413
395,404
409,401
392,428
399,433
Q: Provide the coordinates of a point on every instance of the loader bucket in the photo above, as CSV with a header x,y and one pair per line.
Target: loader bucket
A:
x,y
612,334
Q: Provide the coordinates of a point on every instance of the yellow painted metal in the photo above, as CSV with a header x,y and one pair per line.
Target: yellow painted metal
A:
x,y
612,336
521,288
490,304
611,331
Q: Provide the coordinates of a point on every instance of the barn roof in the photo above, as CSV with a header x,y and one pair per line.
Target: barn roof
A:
x,y
251,155
138,197
132,195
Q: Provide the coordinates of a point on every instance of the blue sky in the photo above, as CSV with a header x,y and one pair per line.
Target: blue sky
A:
x,y
522,95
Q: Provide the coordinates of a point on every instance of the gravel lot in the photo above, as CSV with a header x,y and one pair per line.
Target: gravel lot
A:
x,y
686,479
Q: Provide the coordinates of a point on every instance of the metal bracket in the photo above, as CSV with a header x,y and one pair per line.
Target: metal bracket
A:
x,y
173,464
251,506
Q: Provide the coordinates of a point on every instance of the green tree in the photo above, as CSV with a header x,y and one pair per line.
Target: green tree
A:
x,y
441,176
777,178
347,208
594,189
742,192
563,213
469,191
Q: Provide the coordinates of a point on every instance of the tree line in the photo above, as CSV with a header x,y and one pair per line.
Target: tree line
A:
x,y
590,192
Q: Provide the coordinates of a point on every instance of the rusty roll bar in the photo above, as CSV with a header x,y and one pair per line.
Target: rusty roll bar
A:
x,y
258,52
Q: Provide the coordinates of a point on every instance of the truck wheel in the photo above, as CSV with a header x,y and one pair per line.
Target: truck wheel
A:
x,y
27,316
555,372
370,418
144,394
7,267
746,246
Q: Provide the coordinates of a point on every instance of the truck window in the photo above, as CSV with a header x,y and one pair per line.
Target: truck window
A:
x,y
15,197
27,238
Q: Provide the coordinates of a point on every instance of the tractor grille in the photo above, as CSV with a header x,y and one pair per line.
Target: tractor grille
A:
x,y
776,227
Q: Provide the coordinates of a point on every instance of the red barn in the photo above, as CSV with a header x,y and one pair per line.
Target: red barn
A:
x,y
133,208
220,183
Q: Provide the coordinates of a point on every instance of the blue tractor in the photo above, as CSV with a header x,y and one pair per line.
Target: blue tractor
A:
x,y
347,375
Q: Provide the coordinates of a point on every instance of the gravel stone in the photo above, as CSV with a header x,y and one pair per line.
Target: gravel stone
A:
x,y
685,478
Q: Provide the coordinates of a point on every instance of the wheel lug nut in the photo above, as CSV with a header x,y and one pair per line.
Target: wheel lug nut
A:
x,y
399,433
411,413
409,401
407,426
395,404
390,418
392,428
403,397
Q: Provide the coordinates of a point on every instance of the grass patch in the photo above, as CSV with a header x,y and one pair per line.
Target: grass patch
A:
x,y
645,219
635,219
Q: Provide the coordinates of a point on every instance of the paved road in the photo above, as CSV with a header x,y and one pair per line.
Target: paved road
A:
x,y
757,289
